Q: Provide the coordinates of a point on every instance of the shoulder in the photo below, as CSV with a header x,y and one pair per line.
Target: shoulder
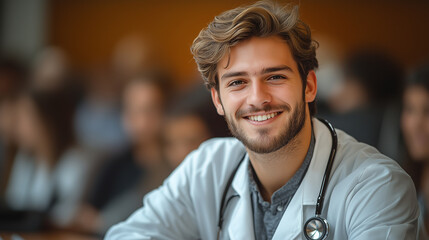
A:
x,y
366,171
75,158
364,158
372,191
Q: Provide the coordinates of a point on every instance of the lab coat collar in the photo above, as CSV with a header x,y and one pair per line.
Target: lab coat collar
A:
x,y
307,193
313,179
241,226
292,222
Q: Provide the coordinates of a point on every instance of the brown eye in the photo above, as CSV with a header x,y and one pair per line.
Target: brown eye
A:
x,y
235,83
276,77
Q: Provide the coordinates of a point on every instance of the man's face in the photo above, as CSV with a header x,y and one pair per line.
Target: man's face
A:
x,y
261,93
142,115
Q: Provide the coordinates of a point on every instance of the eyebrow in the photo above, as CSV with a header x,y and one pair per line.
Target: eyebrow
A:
x,y
264,71
276,69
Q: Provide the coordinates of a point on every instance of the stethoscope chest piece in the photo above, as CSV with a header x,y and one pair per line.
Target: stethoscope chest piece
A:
x,y
316,228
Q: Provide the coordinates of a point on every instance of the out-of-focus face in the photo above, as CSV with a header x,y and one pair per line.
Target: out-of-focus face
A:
x,y
415,122
29,127
348,96
142,113
181,136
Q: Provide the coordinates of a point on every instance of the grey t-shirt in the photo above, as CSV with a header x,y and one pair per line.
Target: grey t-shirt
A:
x,y
267,216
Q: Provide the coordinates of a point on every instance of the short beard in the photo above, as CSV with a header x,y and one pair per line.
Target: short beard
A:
x,y
288,133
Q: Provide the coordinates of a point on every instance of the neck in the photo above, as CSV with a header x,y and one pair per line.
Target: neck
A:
x,y
148,154
43,151
275,169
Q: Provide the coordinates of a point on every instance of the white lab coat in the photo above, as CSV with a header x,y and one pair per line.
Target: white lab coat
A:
x,y
368,196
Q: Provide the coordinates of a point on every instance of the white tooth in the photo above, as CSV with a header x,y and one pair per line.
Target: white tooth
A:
x,y
260,118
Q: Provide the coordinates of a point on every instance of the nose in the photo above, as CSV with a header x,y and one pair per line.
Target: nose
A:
x,y
259,94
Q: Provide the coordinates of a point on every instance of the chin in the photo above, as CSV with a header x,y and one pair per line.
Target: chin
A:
x,y
264,145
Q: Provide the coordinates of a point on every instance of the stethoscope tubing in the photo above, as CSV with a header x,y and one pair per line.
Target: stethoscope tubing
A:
x,y
327,174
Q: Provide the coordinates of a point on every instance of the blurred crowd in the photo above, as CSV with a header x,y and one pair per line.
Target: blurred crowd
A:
x,y
80,149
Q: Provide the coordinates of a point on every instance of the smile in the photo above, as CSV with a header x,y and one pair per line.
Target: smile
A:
x,y
260,118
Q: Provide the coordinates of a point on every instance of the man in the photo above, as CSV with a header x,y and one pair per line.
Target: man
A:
x,y
259,63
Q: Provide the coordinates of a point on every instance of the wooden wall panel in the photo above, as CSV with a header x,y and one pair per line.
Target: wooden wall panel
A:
x,y
89,29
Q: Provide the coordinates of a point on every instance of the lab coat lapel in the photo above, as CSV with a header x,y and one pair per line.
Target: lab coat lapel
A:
x,y
313,179
241,223
305,198
291,223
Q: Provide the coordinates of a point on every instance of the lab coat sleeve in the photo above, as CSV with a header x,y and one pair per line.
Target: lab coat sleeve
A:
x,y
167,212
382,205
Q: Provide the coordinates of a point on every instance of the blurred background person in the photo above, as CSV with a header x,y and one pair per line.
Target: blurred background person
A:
x,y
51,71
98,117
183,133
49,171
190,120
366,103
12,80
122,180
415,130
50,68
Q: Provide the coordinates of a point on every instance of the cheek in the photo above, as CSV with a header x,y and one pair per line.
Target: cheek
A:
x,y
405,122
289,96
408,124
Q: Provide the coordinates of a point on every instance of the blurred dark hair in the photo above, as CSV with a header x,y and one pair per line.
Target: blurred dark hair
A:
x,y
56,111
13,75
419,77
155,77
378,72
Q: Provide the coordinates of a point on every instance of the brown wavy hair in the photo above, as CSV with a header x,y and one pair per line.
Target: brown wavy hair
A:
x,y
262,19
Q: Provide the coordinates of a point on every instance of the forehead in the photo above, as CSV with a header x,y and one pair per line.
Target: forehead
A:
x,y
255,54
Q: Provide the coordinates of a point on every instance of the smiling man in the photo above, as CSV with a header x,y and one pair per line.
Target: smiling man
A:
x,y
258,62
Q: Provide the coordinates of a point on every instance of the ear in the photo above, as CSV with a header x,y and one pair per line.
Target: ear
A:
x,y
311,87
216,101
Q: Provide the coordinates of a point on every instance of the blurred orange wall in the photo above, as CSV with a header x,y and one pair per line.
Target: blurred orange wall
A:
x,y
89,29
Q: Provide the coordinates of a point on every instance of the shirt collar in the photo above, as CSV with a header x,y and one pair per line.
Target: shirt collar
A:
x,y
283,194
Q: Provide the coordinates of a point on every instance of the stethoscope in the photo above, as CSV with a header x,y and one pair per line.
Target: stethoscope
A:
x,y
315,228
